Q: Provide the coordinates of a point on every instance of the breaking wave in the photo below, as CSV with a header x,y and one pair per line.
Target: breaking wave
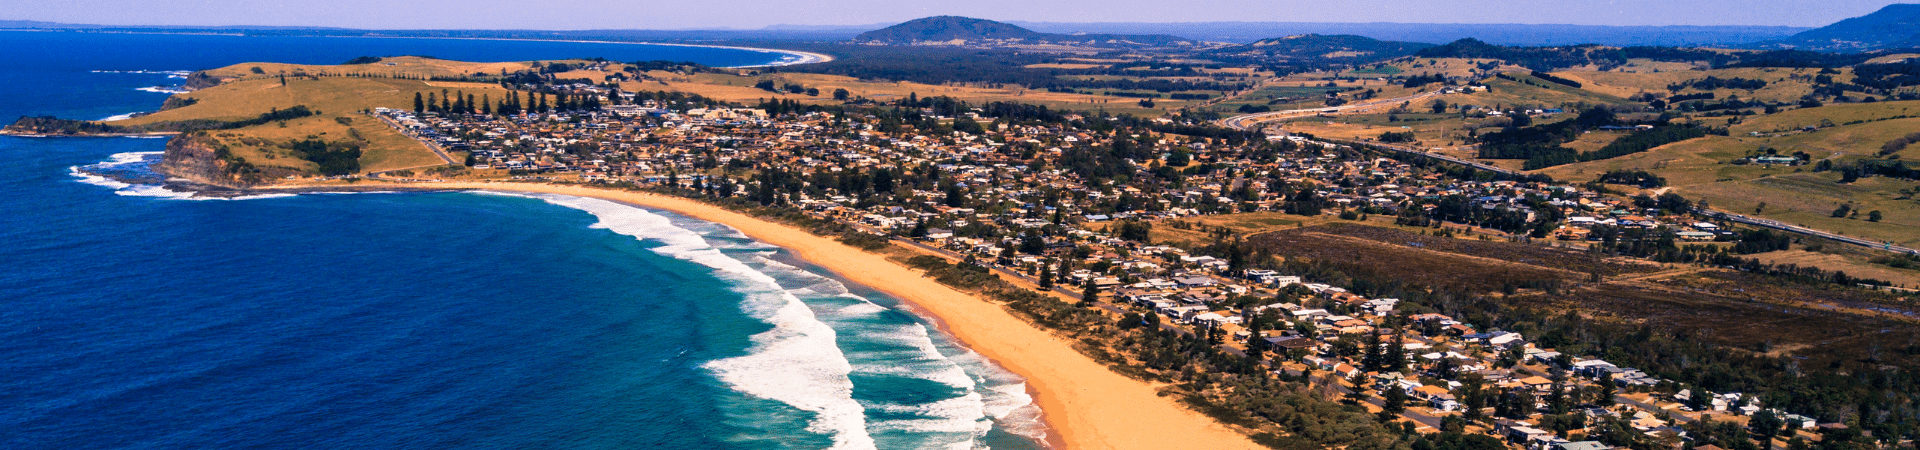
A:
x,y
873,376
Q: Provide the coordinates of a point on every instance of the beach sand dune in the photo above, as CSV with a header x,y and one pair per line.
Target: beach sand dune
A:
x,y
1086,405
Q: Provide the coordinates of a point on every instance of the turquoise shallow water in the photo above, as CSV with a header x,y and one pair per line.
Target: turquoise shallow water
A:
x,y
133,319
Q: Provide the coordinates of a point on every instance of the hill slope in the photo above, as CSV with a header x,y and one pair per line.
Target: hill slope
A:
x,y
947,28
1893,26
938,29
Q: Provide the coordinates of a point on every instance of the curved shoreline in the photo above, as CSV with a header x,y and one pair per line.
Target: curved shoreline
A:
x,y
1084,404
804,57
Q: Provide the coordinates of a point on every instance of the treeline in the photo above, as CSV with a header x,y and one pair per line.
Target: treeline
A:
x,y
1873,167
1888,76
1898,144
1540,145
1556,79
1526,142
1536,58
333,158
1636,177
1662,246
1712,82
1638,141
1161,86
1423,80
1558,57
1801,59
1686,97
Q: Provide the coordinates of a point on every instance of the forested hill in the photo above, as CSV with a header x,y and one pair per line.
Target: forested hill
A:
x,y
952,28
1605,58
1891,27
1315,46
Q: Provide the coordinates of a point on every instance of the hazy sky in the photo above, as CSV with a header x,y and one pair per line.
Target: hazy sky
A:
x,y
685,14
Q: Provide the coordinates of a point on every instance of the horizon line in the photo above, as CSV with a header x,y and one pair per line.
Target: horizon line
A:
x,y
852,27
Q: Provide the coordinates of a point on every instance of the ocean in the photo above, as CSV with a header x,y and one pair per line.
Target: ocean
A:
x,y
134,318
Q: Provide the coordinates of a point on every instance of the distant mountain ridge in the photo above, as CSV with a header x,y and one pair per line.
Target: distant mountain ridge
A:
x,y
1315,46
1894,26
1440,33
939,29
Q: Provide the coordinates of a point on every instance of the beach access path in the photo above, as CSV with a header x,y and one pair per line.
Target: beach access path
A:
x,y
1084,404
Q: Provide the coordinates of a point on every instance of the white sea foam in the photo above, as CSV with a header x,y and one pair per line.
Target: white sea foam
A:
x,y
148,190
801,362
95,180
168,73
121,159
953,415
165,89
143,190
796,363
903,350
118,117
1006,397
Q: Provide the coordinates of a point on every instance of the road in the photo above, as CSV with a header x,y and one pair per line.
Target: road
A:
x,y
1247,121
1777,225
431,145
1431,155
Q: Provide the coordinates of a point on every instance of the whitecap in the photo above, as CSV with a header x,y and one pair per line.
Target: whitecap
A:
x,y
164,89
121,159
83,175
158,191
95,180
797,362
985,396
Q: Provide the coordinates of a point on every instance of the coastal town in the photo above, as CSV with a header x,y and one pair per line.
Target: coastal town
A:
x,y
1020,194
1329,226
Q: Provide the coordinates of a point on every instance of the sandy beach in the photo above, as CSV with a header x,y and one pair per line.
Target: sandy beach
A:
x,y
1085,405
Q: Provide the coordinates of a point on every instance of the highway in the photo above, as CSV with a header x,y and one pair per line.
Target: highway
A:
x,y
1431,155
1781,226
1248,121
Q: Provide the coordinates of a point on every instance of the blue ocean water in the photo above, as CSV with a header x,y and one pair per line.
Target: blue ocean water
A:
x,y
130,318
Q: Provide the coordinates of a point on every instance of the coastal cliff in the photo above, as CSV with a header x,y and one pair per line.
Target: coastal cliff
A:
x,y
201,80
200,158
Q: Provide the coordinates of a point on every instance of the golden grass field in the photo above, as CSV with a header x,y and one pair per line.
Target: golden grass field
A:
x,y
334,98
391,67
739,88
1780,85
1702,169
